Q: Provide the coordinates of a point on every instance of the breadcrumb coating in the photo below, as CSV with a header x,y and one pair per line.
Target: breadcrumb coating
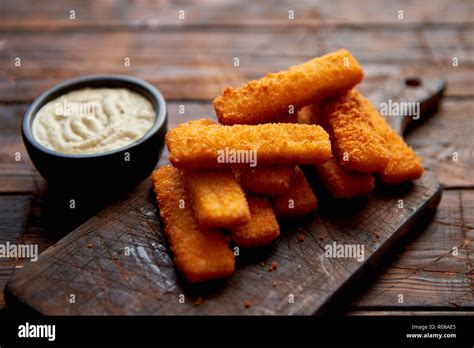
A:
x,y
199,253
262,228
217,198
356,143
342,183
266,100
269,180
194,145
298,200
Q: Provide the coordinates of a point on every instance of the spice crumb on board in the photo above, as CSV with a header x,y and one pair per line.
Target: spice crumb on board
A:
x,y
274,285
199,301
89,245
247,303
300,238
273,266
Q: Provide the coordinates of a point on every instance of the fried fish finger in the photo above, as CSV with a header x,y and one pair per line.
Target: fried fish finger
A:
x,y
217,198
298,200
199,253
269,180
404,164
214,145
356,143
342,183
338,181
265,100
262,228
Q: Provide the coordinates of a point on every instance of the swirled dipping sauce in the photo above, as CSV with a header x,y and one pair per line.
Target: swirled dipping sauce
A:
x,y
93,120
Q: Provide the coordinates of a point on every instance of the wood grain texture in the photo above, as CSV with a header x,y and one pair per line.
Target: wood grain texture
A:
x,y
177,62
32,15
431,274
423,43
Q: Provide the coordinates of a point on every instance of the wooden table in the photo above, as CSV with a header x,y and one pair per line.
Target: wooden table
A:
x,y
190,60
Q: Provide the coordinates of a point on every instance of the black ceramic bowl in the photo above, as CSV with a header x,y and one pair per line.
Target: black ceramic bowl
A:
x,y
102,170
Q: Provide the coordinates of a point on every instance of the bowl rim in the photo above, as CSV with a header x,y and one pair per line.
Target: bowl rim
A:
x,y
81,82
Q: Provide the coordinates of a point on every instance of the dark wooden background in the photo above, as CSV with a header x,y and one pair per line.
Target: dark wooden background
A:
x,y
191,60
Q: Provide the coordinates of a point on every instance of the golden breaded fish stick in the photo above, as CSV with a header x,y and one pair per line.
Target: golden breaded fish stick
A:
x,y
262,227
404,164
265,100
213,145
217,198
200,254
269,180
298,200
342,183
356,143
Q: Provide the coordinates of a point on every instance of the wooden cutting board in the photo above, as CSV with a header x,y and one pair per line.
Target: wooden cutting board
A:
x,y
118,261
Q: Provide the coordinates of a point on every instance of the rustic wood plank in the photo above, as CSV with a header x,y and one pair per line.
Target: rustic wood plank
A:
x,y
449,131
14,216
34,15
178,62
15,176
381,45
426,272
13,183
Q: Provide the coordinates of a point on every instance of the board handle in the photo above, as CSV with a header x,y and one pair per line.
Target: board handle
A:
x,y
407,101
